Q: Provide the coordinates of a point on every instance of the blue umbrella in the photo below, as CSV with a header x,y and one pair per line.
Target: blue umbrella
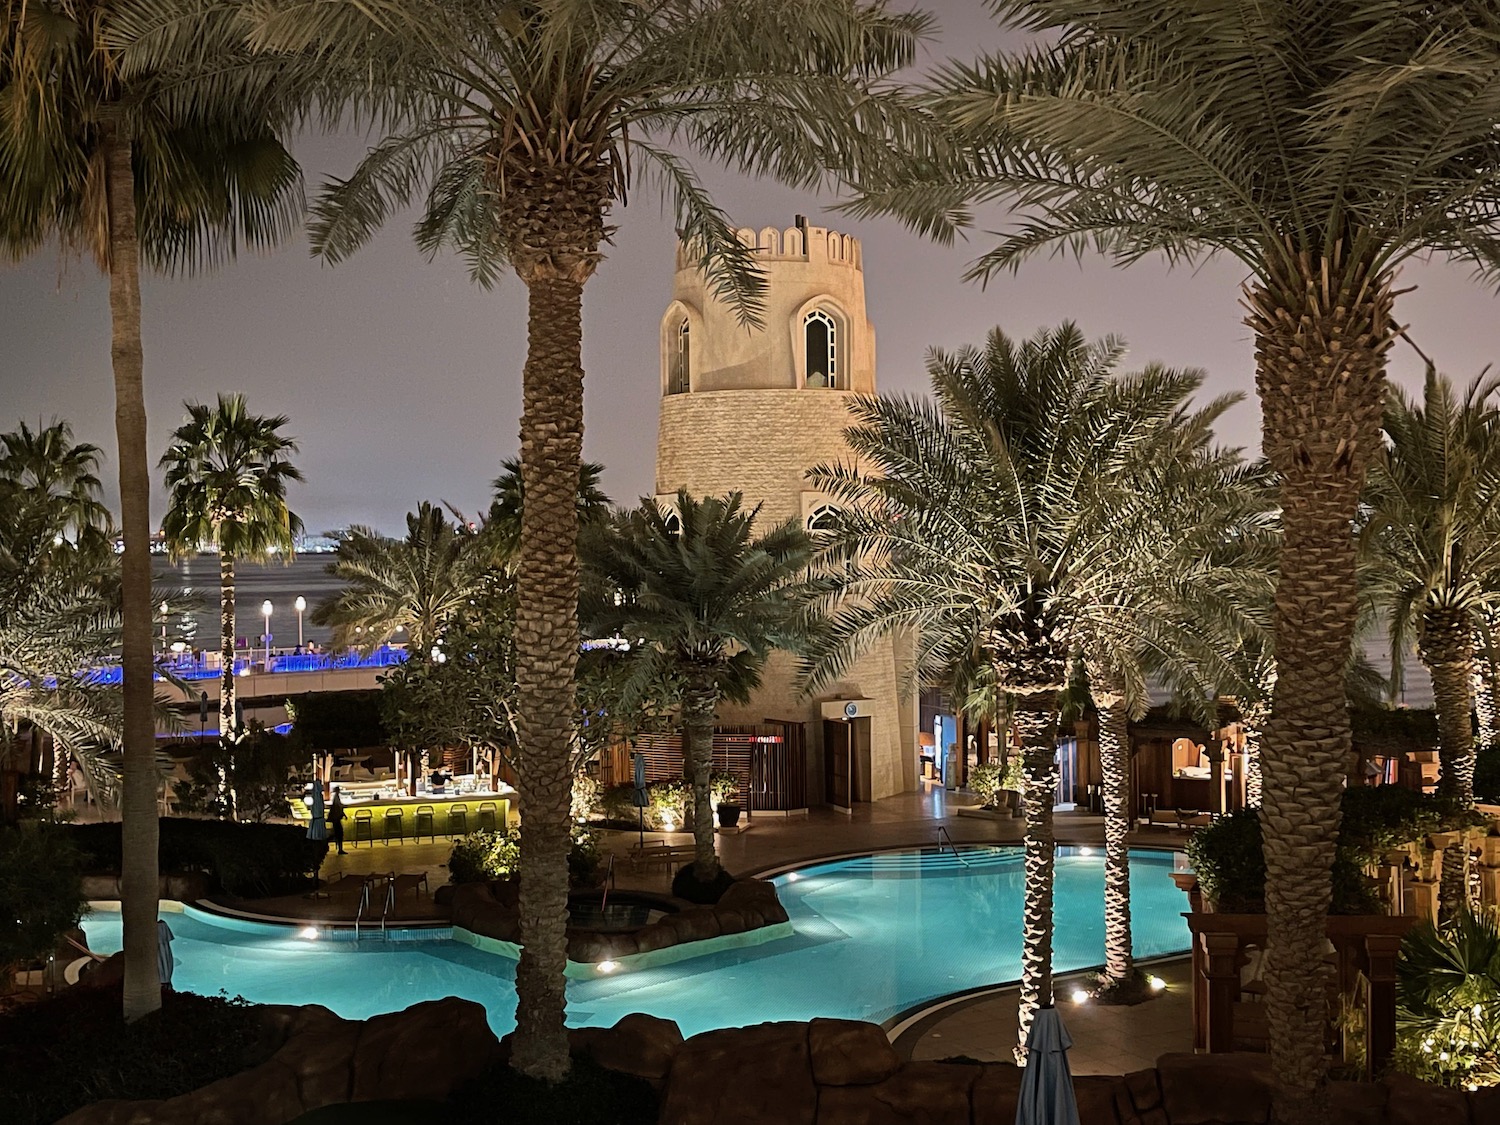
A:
x,y
642,798
317,828
1046,1096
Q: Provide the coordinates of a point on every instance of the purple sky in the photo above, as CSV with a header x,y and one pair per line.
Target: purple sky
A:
x,y
403,381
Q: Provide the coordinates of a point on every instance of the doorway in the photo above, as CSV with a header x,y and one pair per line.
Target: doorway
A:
x,y
846,761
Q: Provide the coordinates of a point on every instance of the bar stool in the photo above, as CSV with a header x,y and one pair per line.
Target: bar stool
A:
x,y
458,820
364,827
486,817
424,820
395,826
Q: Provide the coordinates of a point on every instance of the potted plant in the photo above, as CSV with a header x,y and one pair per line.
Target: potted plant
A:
x,y
723,788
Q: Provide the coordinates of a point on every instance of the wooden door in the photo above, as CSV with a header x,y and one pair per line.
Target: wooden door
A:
x,y
836,763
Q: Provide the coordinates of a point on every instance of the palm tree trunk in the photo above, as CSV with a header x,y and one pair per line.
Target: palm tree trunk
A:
x,y
546,658
1487,681
139,829
1322,330
1447,649
229,727
1035,721
1253,724
699,701
1114,763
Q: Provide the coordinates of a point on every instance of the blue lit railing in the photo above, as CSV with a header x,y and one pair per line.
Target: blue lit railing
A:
x,y
190,669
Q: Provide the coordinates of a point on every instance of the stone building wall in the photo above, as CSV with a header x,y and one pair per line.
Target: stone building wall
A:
x,y
747,421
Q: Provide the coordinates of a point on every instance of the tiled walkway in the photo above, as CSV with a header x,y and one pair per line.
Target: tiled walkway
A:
x,y
1106,1040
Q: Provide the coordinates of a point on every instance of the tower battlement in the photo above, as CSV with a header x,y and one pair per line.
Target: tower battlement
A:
x,y
797,243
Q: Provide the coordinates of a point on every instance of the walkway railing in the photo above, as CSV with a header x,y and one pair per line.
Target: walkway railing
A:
x,y
208,666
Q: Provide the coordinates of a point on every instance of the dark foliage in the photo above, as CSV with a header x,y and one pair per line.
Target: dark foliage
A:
x,y
249,860
688,886
41,889
590,1095
1487,776
1232,871
73,1050
337,720
260,769
1409,728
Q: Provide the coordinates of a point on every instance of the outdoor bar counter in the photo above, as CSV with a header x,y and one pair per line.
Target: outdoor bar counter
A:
x,y
429,815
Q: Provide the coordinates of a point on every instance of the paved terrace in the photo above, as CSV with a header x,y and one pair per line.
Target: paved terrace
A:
x,y
983,1026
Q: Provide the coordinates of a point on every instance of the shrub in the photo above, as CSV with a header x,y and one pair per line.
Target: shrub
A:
x,y
1448,1003
590,1095
249,860
41,888
588,795
670,800
71,1051
985,783
337,720
1231,870
723,786
1487,775
260,770
483,856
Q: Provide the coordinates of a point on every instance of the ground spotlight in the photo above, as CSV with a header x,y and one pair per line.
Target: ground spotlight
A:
x,y
607,966
1081,996
1156,983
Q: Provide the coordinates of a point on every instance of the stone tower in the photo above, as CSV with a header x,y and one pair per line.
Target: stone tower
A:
x,y
752,411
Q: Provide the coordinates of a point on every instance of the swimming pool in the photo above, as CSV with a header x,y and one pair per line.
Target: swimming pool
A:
x,y
875,935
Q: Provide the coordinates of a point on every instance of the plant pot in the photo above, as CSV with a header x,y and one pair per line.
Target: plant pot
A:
x,y
729,815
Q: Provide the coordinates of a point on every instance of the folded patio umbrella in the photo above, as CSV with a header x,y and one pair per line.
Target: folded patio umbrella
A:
x,y
317,828
1047,1084
164,962
642,798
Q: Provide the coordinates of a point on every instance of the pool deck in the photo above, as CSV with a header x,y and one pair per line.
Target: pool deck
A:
x,y
1107,1040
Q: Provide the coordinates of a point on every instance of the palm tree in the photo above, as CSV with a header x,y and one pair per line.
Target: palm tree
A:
x,y
413,586
503,523
227,475
1430,543
49,485
986,523
703,601
1320,145
1194,536
1430,546
521,126
181,163
59,616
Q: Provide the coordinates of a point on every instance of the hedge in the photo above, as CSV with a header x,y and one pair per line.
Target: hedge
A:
x,y
248,860
1231,869
62,1054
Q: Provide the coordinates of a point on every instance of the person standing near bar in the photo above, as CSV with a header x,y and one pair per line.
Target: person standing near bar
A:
x,y
336,820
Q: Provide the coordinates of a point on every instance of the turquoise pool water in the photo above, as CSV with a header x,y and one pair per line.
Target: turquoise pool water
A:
x,y
874,936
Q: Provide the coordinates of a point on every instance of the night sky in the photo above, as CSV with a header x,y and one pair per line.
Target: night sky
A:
x,y
402,380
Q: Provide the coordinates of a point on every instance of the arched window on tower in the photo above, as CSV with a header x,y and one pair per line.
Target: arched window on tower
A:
x,y
678,381
673,523
823,520
820,337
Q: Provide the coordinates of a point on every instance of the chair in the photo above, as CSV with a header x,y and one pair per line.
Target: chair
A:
x,y
487,816
395,826
416,880
458,820
424,822
364,828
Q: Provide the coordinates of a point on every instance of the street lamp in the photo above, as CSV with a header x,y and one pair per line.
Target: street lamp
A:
x,y
265,609
301,604
165,609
